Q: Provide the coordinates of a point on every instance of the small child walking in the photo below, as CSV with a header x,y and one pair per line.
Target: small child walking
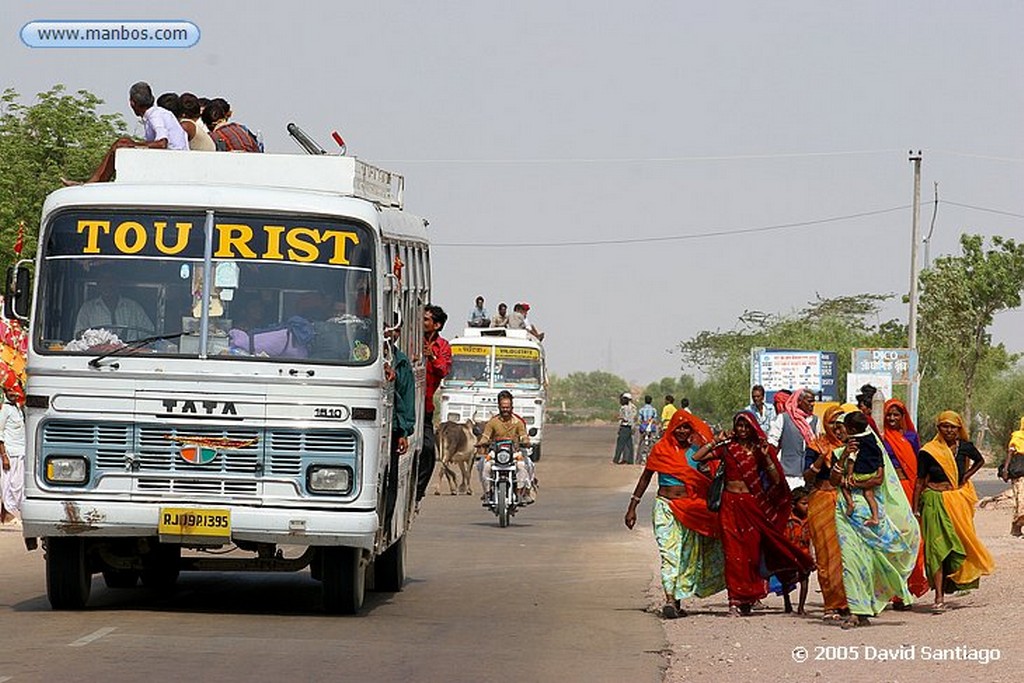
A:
x,y
800,534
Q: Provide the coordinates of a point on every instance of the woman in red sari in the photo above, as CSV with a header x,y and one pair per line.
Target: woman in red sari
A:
x,y
902,443
755,508
686,531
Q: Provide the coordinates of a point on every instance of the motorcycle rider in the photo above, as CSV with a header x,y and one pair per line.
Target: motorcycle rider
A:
x,y
506,426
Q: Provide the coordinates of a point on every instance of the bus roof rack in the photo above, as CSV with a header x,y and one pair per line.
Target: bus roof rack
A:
x,y
346,176
495,332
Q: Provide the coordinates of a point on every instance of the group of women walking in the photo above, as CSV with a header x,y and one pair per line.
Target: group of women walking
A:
x,y
921,537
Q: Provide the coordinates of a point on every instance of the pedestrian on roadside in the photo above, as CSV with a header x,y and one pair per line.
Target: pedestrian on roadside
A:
x,y
687,533
755,507
1012,470
12,452
792,431
902,445
437,356
668,411
762,411
627,425
821,513
954,557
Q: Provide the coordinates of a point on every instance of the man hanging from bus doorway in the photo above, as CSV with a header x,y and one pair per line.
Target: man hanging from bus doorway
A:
x,y
399,371
437,357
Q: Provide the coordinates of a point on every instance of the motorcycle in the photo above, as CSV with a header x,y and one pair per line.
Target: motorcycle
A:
x,y
504,499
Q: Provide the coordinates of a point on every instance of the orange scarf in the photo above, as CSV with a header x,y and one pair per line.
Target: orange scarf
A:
x,y
901,447
668,457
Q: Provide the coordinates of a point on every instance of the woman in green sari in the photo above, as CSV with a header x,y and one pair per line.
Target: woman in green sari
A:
x,y
877,559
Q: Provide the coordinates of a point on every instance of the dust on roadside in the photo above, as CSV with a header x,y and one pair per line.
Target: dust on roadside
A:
x,y
707,645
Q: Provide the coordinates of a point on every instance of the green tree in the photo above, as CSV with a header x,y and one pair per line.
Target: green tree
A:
x,y
838,324
61,134
585,396
959,297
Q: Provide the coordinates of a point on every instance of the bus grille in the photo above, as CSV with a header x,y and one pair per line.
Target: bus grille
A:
x,y
151,453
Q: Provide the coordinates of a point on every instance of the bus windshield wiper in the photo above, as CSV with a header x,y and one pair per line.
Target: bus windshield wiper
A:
x,y
132,346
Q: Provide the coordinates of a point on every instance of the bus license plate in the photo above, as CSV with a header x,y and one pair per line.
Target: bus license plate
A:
x,y
195,522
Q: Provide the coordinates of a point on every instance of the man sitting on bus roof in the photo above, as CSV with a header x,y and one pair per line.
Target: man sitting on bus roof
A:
x,y
162,131
501,319
478,316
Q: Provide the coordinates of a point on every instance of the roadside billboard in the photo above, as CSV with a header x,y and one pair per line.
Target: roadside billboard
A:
x,y
788,369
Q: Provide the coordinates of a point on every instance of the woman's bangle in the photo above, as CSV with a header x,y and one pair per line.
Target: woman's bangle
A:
x,y
814,469
635,498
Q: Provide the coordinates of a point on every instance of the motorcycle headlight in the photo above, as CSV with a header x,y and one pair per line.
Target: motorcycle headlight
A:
x,y
503,457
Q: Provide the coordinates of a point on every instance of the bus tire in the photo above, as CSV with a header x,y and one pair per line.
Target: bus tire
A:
x,y
344,580
389,568
68,576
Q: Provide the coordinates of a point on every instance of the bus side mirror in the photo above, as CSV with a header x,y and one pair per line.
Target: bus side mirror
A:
x,y
18,293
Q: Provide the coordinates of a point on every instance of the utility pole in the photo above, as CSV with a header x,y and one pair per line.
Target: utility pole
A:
x,y
915,239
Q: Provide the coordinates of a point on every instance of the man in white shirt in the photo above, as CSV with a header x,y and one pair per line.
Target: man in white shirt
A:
x,y
161,131
12,457
123,316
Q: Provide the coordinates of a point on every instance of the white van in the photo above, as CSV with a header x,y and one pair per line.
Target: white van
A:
x,y
486,361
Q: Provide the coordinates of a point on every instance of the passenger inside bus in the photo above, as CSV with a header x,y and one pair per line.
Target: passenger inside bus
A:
x,y
110,310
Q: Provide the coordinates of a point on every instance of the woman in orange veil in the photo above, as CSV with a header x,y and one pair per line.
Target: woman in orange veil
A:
x,y
902,443
688,534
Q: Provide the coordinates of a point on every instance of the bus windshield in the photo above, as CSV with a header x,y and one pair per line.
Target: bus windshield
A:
x,y
501,367
280,287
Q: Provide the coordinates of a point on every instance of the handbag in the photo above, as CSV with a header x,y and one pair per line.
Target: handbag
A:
x,y
716,488
1015,467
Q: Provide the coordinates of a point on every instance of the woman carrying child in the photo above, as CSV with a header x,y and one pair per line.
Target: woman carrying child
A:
x,y
877,558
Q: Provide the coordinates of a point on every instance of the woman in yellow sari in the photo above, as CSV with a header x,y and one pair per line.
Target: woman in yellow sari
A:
x,y
954,557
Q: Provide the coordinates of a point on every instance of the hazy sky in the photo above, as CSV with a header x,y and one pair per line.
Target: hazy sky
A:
x,y
546,123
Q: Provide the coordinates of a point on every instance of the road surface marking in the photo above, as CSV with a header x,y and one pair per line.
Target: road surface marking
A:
x,y
95,635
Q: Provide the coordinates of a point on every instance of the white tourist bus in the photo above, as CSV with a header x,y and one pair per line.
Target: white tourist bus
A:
x,y
486,361
237,399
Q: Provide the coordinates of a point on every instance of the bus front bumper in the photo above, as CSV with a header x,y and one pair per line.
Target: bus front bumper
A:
x,y
105,519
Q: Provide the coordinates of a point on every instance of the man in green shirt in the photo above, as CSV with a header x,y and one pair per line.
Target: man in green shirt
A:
x,y
403,423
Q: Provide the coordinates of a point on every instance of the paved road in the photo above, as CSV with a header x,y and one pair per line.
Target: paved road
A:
x,y
558,596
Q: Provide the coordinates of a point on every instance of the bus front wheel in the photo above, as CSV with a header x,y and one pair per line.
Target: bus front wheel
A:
x,y
344,579
68,577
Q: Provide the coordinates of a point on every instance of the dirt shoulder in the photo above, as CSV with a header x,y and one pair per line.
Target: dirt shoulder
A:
x,y
976,640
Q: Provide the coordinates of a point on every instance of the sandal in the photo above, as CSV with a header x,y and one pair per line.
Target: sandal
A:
x,y
853,621
938,608
734,611
832,616
670,611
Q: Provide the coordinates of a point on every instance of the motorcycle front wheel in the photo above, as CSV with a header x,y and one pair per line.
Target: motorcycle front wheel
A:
x,y
502,493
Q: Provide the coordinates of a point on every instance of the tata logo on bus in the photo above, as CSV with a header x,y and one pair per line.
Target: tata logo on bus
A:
x,y
231,240
189,406
203,450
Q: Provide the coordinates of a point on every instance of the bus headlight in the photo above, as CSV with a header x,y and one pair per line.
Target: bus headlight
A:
x,y
329,479
67,470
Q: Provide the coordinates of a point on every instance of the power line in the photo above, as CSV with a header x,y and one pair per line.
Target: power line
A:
x,y
642,160
982,208
673,238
